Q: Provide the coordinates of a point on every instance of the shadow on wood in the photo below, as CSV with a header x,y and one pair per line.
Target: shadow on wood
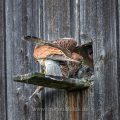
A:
x,y
54,82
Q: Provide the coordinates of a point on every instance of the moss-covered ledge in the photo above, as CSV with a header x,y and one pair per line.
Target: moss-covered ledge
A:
x,y
54,82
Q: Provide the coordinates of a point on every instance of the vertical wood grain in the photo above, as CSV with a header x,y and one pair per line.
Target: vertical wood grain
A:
x,y
3,115
106,86
60,19
56,24
118,49
52,19
21,19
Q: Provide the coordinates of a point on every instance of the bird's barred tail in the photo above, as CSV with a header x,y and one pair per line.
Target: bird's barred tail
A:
x,y
34,39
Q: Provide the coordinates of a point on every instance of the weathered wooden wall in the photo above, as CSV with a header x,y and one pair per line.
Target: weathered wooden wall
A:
x,y
105,59
51,19
118,51
2,63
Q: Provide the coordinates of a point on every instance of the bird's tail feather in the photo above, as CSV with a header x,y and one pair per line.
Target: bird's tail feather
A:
x,y
34,39
38,89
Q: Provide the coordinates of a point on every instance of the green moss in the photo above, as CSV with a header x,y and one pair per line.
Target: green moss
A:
x,y
40,79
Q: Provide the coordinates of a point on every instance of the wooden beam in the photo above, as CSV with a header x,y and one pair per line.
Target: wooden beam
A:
x,y
54,82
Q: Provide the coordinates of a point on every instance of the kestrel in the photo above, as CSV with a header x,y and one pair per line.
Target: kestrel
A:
x,y
61,58
61,50
85,49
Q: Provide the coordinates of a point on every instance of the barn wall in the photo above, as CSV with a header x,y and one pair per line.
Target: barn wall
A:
x,y
2,63
21,19
118,50
105,59
51,19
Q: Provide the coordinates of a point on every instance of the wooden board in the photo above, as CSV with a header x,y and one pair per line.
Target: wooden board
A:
x,y
105,60
22,18
3,96
54,82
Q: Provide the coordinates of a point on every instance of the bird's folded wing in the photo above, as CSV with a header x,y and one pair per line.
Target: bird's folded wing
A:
x,y
41,41
64,50
61,58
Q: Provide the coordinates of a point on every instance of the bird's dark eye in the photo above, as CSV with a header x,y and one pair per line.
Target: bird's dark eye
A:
x,y
91,52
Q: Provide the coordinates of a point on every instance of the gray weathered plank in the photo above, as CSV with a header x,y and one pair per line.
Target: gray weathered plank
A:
x,y
99,21
105,59
118,49
54,82
87,19
56,19
3,115
20,21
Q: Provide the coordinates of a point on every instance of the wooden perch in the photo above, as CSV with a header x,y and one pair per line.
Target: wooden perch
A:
x,y
53,82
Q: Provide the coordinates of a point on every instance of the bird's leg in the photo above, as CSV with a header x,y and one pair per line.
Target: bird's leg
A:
x,y
38,89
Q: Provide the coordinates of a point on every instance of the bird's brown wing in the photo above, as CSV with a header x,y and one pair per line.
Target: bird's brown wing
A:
x,y
42,51
49,52
61,58
41,41
64,50
68,43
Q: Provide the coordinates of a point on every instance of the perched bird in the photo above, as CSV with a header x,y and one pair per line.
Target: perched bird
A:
x,y
59,50
64,50
68,45
57,57
61,57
